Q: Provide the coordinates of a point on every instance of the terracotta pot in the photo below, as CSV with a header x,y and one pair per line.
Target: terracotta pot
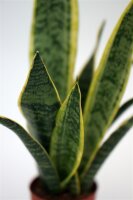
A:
x,y
37,193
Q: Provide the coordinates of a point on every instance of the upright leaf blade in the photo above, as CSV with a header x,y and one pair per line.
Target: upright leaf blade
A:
x,y
85,79
67,139
45,165
40,102
54,35
86,75
74,185
108,85
103,153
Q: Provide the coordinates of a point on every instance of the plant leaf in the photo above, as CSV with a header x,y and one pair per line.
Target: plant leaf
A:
x,y
74,185
103,153
54,35
108,85
86,75
45,165
123,108
67,139
40,102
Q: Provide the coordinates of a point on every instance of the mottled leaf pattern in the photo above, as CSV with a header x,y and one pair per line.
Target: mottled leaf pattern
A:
x,y
68,137
86,75
108,85
40,102
103,153
48,172
67,162
123,108
54,35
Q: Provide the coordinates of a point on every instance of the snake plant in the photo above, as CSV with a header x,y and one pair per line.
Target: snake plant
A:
x,y
67,119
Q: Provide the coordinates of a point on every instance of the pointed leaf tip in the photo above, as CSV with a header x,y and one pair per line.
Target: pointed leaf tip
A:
x,y
37,55
108,85
75,92
68,136
37,61
87,73
37,52
99,35
76,86
40,102
61,43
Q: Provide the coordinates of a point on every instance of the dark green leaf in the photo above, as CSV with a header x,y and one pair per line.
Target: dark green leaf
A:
x,y
74,185
103,153
86,75
45,165
40,102
123,108
54,35
108,85
67,139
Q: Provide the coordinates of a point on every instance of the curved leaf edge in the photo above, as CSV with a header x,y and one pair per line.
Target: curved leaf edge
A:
x,y
36,150
73,41
80,152
26,82
87,72
103,153
98,73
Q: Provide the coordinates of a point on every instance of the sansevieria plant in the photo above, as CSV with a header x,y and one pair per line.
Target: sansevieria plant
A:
x,y
67,119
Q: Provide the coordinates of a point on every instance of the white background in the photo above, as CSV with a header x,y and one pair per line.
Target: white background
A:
x,y
17,168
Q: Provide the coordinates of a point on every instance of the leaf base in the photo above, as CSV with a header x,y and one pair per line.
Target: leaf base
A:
x,y
38,193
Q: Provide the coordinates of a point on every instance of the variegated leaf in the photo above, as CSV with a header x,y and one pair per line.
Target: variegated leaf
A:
x,y
68,137
86,75
54,35
108,85
47,170
103,153
39,101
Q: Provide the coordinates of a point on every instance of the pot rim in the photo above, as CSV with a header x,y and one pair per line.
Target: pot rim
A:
x,y
36,181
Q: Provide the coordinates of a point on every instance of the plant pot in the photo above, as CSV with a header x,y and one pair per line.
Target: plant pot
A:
x,y
37,193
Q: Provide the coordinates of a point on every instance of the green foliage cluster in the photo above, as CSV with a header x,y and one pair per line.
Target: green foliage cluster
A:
x,y
67,119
